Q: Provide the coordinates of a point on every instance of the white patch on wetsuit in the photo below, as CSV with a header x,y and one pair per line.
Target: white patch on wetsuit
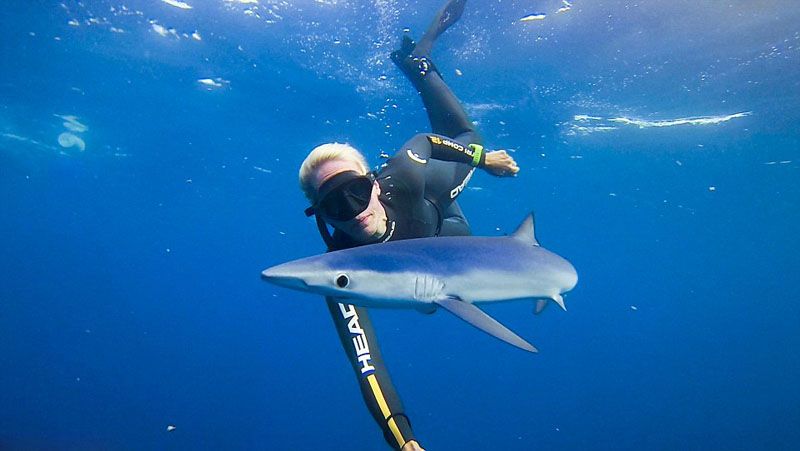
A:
x,y
391,232
457,190
415,157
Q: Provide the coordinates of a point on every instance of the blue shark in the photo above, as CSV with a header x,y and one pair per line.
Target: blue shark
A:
x,y
454,273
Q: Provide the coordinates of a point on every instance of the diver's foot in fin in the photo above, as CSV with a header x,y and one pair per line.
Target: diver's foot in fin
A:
x,y
405,58
414,58
446,17
406,47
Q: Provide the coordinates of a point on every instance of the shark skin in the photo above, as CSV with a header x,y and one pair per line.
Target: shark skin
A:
x,y
425,273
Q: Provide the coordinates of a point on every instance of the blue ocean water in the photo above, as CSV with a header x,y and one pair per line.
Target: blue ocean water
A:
x,y
148,161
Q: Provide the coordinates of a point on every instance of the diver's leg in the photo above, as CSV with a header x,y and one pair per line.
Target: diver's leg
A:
x,y
446,115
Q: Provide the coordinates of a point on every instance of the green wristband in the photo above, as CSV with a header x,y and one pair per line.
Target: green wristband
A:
x,y
477,153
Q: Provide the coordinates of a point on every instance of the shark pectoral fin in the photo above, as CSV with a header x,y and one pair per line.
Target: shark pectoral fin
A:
x,y
540,305
560,301
484,322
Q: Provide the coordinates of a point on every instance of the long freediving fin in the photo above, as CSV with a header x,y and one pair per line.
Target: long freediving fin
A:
x,y
414,58
484,322
446,17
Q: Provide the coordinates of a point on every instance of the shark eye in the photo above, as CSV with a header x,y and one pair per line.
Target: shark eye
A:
x,y
342,281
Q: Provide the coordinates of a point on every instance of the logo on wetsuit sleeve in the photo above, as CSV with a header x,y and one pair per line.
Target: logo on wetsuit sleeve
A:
x,y
435,140
457,190
360,344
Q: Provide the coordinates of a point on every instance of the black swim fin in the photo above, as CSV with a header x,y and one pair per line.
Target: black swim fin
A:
x,y
446,17
414,58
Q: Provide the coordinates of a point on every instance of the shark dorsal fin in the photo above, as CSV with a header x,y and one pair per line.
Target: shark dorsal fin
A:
x,y
525,233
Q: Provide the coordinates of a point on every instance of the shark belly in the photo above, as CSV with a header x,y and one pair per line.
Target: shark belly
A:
x,y
492,286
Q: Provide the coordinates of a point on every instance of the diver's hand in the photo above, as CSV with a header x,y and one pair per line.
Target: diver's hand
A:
x,y
412,446
500,164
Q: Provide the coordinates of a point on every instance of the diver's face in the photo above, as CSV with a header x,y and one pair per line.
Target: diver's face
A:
x,y
370,223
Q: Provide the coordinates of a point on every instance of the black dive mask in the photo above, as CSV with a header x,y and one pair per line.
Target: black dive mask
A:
x,y
343,196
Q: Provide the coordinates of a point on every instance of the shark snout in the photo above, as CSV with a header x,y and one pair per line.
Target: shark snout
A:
x,y
285,277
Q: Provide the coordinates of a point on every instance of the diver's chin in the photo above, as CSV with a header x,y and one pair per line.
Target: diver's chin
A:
x,y
365,222
364,225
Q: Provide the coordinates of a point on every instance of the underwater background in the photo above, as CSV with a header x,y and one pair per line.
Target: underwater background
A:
x,y
148,163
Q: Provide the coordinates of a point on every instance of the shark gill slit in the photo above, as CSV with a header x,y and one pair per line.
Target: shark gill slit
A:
x,y
423,287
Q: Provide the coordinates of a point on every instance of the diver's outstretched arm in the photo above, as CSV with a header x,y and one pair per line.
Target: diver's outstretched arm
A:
x,y
361,346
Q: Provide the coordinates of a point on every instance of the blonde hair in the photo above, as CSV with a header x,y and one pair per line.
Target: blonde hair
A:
x,y
321,155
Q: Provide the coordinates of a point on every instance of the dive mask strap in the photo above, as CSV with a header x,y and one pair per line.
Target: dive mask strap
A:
x,y
325,233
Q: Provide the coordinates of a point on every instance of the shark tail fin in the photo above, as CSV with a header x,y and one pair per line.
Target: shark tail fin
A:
x,y
484,322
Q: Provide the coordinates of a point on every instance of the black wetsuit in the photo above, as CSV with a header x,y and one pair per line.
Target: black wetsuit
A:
x,y
419,186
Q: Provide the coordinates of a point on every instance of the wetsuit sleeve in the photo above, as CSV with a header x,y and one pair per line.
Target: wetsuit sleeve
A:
x,y
361,346
409,166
